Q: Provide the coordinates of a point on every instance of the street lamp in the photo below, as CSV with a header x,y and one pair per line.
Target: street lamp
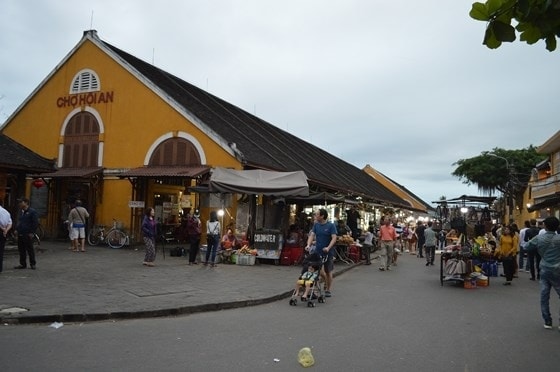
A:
x,y
509,191
464,211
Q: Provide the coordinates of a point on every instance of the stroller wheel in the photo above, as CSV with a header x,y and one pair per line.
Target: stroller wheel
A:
x,y
293,302
321,300
310,304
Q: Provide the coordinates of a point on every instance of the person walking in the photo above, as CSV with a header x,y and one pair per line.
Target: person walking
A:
x,y
324,234
522,242
387,236
507,252
213,237
420,239
27,223
193,233
548,246
77,218
367,245
430,237
149,233
515,230
533,257
412,240
5,226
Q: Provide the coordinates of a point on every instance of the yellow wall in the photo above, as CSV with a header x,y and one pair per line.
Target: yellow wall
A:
x,y
132,123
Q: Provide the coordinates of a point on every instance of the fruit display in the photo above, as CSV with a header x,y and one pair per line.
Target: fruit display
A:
x,y
344,240
247,250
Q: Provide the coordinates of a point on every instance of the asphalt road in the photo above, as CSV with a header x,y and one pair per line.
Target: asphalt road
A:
x,y
401,320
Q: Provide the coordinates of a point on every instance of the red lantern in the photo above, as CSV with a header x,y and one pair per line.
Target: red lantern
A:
x,y
38,183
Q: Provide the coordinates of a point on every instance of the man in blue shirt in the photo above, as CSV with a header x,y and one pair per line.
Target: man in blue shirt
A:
x,y
324,234
26,226
548,247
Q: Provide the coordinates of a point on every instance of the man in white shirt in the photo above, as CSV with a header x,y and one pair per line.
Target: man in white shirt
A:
x,y
522,243
5,226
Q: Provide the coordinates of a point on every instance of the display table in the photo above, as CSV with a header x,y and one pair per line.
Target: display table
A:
x,y
341,253
456,266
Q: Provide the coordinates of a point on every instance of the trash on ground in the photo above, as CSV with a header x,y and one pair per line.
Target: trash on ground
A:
x,y
56,325
305,358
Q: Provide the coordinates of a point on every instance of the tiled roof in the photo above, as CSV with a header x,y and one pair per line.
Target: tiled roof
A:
x,y
262,144
73,172
416,204
170,171
18,157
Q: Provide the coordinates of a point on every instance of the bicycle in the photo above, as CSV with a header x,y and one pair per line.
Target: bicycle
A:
x,y
115,237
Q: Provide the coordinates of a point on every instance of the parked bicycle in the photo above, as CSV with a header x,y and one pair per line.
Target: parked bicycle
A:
x,y
114,237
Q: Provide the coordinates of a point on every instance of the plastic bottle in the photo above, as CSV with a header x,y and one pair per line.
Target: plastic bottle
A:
x,y
305,358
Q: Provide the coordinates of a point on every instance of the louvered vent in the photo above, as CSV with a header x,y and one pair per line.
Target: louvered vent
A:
x,y
85,81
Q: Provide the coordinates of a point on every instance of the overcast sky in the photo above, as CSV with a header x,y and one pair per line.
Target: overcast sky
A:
x,y
405,86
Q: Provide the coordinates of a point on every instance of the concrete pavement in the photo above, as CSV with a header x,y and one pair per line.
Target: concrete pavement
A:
x,y
105,283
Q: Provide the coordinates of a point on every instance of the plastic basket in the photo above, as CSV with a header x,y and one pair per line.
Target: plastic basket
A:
x,y
469,284
245,259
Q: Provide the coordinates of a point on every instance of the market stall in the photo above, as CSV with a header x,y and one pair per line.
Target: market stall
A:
x,y
267,242
470,264
468,215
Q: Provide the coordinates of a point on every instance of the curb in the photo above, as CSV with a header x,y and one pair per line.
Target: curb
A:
x,y
126,315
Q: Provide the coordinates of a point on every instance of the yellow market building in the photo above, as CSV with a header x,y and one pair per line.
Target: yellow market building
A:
x,y
126,135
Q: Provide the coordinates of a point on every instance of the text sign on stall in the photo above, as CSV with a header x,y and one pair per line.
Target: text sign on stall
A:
x,y
268,243
136,204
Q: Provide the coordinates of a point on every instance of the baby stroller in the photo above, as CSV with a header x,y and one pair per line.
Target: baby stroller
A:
x,y
309,282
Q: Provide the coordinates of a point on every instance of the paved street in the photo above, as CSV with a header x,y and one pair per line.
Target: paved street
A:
x,y
398,320
105,283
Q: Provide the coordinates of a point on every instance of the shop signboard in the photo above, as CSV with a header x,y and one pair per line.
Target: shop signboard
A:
x,y
136,204
268,243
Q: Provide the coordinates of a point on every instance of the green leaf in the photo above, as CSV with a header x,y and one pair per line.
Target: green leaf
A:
x,y
503,31
479,12
551,43
490,39
531,34
523,7
494,6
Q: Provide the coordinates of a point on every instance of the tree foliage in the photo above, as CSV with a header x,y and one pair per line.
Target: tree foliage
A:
x,y
534,20
506,171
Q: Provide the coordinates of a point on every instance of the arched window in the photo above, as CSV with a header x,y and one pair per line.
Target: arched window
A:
x,y
81,141
175,151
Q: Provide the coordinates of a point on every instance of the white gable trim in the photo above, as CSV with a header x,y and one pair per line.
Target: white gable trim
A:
x,y
183,135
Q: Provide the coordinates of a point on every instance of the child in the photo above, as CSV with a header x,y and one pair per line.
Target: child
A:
x,y
307,279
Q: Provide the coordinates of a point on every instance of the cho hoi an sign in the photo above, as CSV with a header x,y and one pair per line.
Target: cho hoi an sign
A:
x,y
268,244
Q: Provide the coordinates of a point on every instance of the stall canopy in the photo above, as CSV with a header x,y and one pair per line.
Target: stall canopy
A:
x,y
257,181
321,197
468,199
